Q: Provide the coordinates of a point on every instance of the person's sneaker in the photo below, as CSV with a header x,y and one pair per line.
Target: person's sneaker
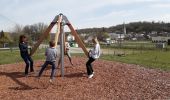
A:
x,y
90,76
51,81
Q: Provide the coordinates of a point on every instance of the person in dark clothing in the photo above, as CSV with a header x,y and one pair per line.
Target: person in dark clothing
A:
x,y
25,54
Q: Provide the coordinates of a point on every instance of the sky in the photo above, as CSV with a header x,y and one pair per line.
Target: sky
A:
x,y
82,13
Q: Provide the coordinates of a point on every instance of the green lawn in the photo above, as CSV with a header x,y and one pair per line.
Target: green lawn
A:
x,y
7,57
143,45
151,59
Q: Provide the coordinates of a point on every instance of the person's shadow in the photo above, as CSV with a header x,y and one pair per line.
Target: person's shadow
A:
x,y
14,76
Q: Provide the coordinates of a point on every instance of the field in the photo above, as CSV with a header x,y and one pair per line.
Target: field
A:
x,y
136,45
8,56
149,58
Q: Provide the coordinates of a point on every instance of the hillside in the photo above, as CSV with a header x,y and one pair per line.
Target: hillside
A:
x,y
136,27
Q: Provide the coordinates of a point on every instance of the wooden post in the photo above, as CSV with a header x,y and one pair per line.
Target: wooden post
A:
x,y
77,38
58,29
74,33
42,38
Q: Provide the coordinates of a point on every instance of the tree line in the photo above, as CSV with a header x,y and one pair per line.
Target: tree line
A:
x,y
35,30
134,27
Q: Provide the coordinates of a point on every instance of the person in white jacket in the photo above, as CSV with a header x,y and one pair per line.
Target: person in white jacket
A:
x,y
67,51
94,54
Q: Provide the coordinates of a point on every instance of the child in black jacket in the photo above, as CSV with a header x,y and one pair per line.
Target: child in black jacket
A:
x,y
25,55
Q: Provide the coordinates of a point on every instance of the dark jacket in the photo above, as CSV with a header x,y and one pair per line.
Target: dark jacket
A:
x,y
23,49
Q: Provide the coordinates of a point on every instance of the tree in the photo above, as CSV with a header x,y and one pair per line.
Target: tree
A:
x,y
34,31
5,38
18,29
16,32
102,36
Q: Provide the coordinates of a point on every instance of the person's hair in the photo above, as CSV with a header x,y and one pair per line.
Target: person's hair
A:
x,y
52,43
95,40
21,37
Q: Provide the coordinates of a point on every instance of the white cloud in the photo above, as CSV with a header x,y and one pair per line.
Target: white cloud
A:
x,y
164,17
161,5
112,15
83,13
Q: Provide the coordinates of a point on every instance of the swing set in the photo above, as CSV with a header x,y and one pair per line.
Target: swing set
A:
x,y
60,20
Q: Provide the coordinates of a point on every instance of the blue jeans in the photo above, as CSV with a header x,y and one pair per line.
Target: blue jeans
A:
x,y
45,65
29,63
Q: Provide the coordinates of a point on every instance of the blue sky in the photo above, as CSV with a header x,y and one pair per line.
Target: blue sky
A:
x,y
82,13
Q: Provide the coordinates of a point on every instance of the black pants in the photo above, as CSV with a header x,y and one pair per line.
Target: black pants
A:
x,y
89,66
29,63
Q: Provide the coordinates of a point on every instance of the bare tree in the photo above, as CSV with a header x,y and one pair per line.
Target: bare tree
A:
x,y
34,31
18,29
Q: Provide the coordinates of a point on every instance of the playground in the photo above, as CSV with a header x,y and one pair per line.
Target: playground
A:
x,y
112,80
132,77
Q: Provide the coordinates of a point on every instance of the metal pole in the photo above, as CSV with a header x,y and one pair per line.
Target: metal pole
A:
x,y
62,49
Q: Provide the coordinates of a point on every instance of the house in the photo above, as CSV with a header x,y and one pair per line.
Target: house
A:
x,y
70,38
88,40
160,39
117,36
5,39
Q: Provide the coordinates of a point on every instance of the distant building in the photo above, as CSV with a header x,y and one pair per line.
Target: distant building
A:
x,y
70,37
116,36
139,37
134,39
160,39
5,39
108,40
88,40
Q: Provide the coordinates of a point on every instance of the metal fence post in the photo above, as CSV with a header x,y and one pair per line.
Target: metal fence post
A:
x,y
62,49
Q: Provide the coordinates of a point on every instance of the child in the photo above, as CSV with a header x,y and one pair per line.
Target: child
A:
x,y
93,55
67,51
25,55
51,55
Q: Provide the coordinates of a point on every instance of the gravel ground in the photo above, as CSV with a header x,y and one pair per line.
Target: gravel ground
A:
x,y
112,80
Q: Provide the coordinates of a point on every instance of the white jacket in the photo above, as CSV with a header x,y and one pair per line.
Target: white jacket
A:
x,y
95,52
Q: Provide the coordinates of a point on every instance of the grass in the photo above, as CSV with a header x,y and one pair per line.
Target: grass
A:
x,y
143,45
7,57
148,58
